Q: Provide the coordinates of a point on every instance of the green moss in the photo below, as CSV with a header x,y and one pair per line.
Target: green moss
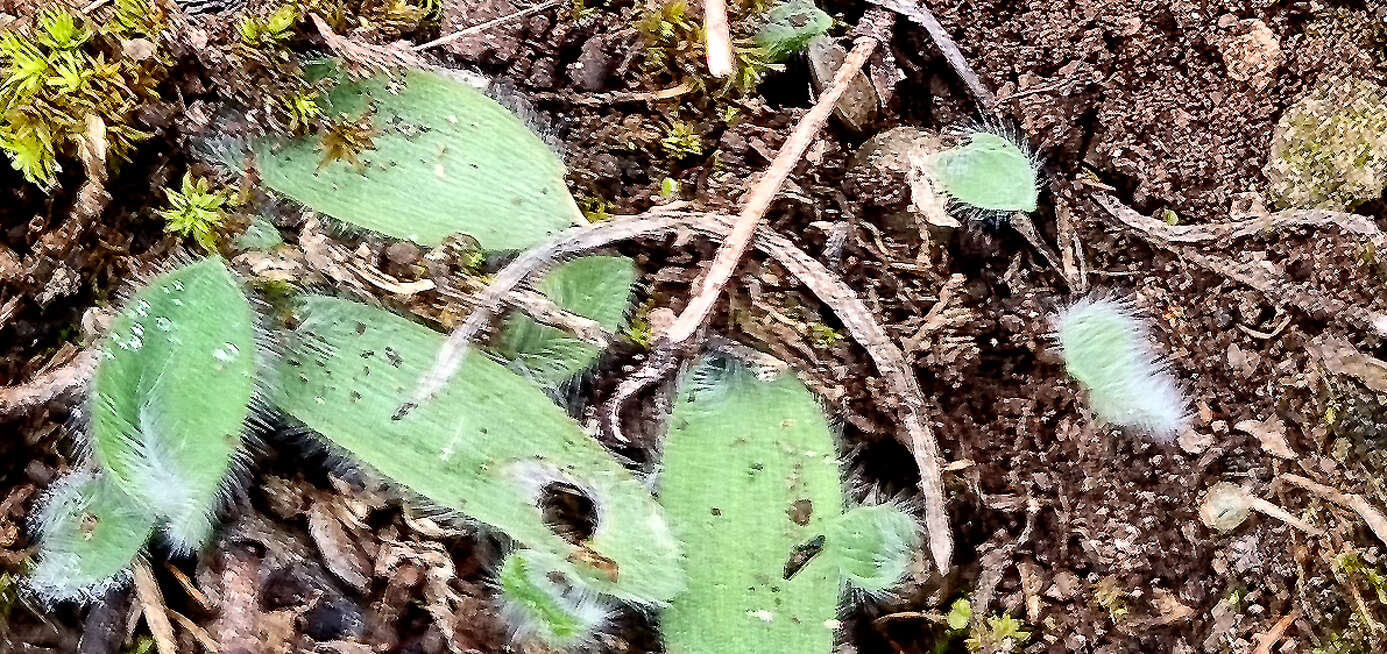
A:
x,y
196,211
62,68
1330,148
998,634
682,139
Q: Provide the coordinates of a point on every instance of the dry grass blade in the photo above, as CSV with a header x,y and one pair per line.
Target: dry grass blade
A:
x,y
449,38
365,58
155,611
1377,522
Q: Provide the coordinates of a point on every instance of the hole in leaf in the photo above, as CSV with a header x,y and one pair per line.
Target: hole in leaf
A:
x,y
568,511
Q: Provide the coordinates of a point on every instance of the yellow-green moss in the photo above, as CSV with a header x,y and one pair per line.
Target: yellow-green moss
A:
x,y
1330,148
60,68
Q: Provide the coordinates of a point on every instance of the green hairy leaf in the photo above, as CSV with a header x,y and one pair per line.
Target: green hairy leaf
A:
x,y
989,173
752,488
171,392
89,533
537,606
438,158
486,446
789,28
1108,350
598,288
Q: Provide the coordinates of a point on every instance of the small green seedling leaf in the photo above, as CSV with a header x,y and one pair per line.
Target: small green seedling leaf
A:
x,y
789,28
89,532
1107,349
536,603
989,173
171,392
436,158
751,487
487,446
872,546
598,288
260,235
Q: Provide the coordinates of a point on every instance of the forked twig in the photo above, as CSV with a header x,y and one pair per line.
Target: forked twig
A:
x,y
759,199
831,290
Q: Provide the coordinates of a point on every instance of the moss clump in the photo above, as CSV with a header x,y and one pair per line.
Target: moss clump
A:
x,y
1330,148
62,67
196,211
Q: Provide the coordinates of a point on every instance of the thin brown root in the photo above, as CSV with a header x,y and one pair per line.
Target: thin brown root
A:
x,y
1286,295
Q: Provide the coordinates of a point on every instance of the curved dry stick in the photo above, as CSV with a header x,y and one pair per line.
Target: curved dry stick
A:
x,y
1226,232
759,199
1283,294
830,290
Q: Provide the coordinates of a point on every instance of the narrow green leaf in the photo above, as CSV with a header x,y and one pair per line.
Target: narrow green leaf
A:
x,y
171,391
443,159
598,288
486,446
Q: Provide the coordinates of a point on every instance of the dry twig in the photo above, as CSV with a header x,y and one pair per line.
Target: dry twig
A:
x,y
831,290
49,386
759,199
917,13
717,38
152,606
482,27
1280,293
1377,522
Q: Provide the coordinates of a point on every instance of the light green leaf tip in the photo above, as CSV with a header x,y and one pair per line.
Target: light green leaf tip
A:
x,y
536,605
487,445
444,159
872,546
171,392
1107,349
751,486
260,235
789,28
598,288
90,531
989,173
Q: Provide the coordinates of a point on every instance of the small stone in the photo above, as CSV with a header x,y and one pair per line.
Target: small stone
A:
x,y
402,253
1253,55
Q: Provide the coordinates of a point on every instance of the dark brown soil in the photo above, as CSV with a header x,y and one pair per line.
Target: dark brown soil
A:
x,y
1088,535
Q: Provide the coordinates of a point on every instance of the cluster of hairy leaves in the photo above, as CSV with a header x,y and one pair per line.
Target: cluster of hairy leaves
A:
x,y
62,68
